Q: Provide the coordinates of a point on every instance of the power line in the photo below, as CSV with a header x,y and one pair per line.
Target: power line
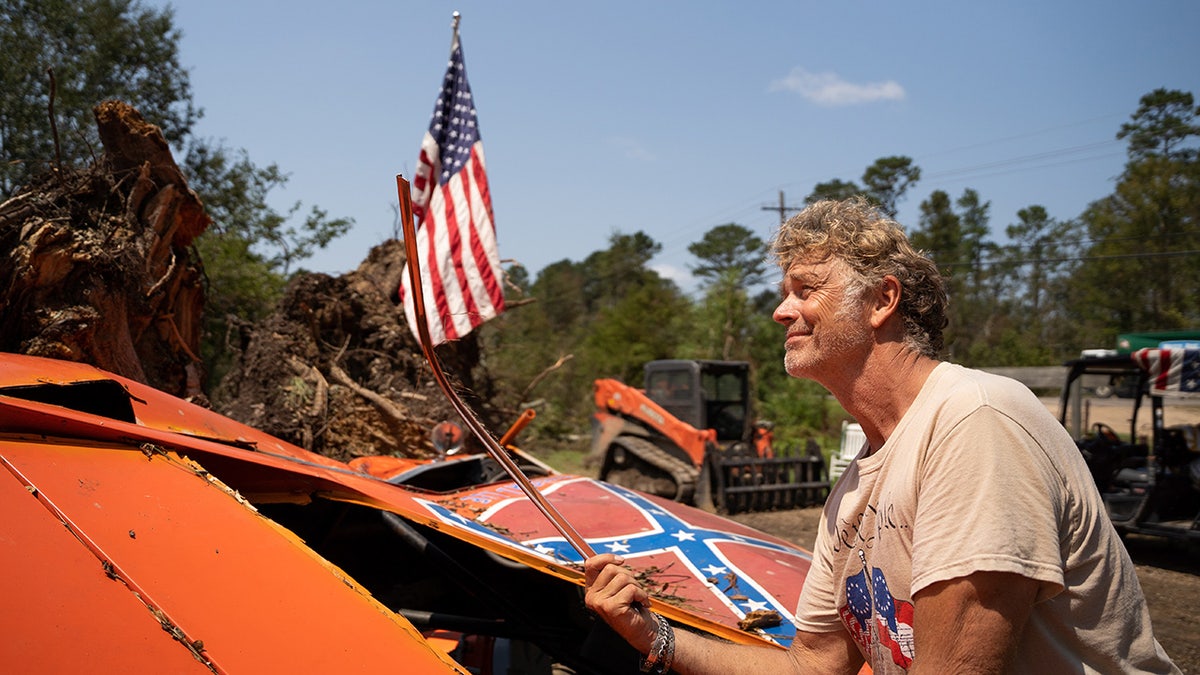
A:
x,y
783,209
1020,262
1095,242
1030,134
1020,163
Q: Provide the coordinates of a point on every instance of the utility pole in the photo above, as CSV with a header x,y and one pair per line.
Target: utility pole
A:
x,y
783,209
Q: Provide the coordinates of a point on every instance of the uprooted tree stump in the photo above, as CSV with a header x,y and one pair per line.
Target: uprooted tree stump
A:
x,y
336,370
97,265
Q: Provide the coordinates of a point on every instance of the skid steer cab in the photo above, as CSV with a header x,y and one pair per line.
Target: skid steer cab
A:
x,y
689,435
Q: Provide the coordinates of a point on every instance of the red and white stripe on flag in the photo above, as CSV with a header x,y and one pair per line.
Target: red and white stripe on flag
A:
x,y
1171,370
460,264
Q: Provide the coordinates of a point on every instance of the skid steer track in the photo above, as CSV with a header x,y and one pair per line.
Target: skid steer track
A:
x,y
639,464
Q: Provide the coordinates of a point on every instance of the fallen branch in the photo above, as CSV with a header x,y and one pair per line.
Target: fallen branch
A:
x,y
542,375
395,415
316,411
321,385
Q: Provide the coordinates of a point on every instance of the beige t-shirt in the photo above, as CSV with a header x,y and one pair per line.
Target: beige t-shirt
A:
x,y
978,476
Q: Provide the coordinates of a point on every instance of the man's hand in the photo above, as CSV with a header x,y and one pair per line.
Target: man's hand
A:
x,y
616,596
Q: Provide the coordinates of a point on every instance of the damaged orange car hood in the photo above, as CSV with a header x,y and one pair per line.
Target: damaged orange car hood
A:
x,y
129,522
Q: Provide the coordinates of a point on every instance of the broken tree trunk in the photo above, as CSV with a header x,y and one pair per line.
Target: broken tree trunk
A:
x,y
97,266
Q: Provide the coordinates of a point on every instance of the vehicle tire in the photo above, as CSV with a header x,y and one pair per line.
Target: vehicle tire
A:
x,y
1103,391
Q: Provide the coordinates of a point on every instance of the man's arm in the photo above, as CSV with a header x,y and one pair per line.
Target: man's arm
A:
x,y
614,594
971,624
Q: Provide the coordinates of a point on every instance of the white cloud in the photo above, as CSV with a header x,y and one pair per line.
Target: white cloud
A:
x,y
830,89
682,277
632,149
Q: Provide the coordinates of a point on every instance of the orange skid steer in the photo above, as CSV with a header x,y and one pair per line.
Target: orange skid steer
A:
x,y
689,435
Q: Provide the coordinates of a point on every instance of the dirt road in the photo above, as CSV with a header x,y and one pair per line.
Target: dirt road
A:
x,y
1118,412
1168,571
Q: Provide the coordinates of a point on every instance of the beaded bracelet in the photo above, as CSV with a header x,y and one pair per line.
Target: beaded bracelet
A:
x,y
662,650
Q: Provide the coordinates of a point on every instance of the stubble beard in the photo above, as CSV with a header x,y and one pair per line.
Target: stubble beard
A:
x,y
822,350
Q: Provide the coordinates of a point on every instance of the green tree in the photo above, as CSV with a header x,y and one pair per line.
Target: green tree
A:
x,y
648,323
957,242
1030,274
235,195
732,251
119,49
249,249
731,261
560,291
939,231
1037,257
975,216
978,309
1140,270
96,50
1163,123
609,275
835,189
632,313
885,183
888,179
722,320
602,317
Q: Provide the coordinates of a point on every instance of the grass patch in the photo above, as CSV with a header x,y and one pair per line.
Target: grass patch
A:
x,y
564,456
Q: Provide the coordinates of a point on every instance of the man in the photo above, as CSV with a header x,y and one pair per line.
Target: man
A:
x,y
967,537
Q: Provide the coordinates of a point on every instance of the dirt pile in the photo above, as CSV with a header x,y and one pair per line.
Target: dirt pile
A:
x,y
336,370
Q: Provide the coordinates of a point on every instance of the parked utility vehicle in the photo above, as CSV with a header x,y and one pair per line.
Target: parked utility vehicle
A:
x,y
1150,484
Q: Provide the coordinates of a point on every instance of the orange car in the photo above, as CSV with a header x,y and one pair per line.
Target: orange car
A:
x,y
145,534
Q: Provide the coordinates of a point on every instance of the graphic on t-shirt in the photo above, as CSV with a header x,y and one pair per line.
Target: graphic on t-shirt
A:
x,y
874,616
863,529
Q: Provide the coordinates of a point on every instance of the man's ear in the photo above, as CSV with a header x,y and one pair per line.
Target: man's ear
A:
x,y
887,301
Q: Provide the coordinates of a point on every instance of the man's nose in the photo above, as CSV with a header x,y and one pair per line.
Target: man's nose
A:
x,y
784,313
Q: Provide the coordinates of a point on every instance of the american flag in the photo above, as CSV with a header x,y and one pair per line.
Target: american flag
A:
x,y
460,267
895,618
870,604
858,606
1172,370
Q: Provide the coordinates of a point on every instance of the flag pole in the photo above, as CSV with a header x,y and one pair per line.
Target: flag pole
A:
x,y
502,456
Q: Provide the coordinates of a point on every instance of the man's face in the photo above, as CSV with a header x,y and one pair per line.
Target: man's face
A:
x,y
825,322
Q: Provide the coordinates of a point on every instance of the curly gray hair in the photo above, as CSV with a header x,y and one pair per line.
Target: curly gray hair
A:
x,y
872,246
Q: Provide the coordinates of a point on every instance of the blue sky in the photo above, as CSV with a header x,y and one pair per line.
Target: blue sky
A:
x,y
675,117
